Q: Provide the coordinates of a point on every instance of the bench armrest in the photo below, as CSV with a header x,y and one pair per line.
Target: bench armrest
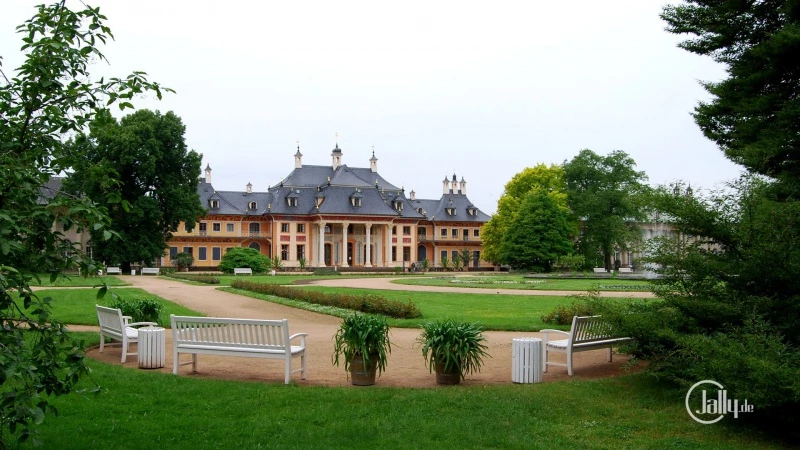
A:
x,y
547,338
139,324
302,337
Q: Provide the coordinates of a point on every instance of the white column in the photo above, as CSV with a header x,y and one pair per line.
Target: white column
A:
x,y
344,244
321,247
367,258
388,255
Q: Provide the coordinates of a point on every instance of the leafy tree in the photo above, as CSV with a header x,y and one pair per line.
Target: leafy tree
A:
x,y
244,257
540,177
156,180
466,255
50,96
603,194
276,263
183,260
539,234
729,294
445,262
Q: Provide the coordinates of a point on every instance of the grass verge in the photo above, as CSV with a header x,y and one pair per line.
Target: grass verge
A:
x,y
520,282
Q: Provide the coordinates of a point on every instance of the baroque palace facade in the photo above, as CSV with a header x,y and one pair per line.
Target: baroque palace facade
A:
x,y
334,216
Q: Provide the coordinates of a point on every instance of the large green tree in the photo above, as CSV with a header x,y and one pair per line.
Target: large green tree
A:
x,y
729,307
603,193
51,95
156,178
541,177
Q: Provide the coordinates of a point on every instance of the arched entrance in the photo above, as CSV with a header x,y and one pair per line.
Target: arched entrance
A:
x,y
422,253
255,245
328,255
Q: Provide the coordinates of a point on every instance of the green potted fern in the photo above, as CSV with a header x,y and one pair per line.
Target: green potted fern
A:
x,y
452,349
362,342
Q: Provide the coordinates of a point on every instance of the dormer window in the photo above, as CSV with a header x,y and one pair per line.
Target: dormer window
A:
x,y
355,199
398,205
291,201
252,206
214,204
421,211
451,211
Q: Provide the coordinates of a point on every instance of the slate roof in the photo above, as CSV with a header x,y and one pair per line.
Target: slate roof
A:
x,y
49,190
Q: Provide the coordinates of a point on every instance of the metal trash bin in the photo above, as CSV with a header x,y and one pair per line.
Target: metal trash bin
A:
x,y
152,347
526,360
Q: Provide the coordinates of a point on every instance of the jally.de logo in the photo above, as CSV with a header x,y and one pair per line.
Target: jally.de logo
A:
x,y
714,403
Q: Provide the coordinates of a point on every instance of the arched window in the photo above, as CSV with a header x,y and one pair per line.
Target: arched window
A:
x,y
255,245
252,205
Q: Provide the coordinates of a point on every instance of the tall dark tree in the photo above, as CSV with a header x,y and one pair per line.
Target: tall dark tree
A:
x,y
153,173
603,193
51,95
730,294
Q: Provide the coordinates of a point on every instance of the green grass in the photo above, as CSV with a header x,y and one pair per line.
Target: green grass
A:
x,y
144,409
492,311
79,281
77,306
519,282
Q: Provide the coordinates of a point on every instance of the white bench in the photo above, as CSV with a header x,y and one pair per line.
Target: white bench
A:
x,y
599,270
587,333
117,327
150,270
237,337
242,270
625,270
114,270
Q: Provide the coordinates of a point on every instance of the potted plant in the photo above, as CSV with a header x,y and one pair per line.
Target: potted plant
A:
x,y
183,261
454,349
363,342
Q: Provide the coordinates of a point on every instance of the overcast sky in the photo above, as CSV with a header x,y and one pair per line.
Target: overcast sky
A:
x,y
479,89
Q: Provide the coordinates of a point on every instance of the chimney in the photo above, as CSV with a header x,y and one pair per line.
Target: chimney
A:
x,y
208,173
454,185
249,188
298,157
412,195
463,186
445,185
336,155
373,163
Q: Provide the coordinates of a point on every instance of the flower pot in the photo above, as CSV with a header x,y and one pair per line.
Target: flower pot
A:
x,y
362,374
453,376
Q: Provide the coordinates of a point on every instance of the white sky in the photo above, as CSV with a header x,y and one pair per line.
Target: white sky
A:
x,y
480,89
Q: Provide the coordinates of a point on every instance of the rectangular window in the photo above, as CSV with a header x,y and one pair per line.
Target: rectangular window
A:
x,y
301,228
455,232
406,231
201,253
301,252
394,230
444,254
216,226
172,252
216,253
466,234
454,256
394,253
406,254
284,228
186,228
444,232
476,258
476,232
284,252
229,227
202,228
187,250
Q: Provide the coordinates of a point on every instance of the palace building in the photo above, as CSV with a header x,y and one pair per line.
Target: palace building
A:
x,y
335,216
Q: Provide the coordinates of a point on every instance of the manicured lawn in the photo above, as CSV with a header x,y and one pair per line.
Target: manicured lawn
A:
x,y
492,311
143,409
519,282
77,306
79,281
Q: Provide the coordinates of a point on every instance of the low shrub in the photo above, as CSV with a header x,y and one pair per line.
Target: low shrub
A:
x,y
198,277
141,309
244,257
367,303
563,314
326,271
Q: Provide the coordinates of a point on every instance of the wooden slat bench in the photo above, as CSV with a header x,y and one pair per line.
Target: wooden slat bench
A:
x,y
242,271
625,270
114,270
599,270
587,333
237,337
117,327
150,271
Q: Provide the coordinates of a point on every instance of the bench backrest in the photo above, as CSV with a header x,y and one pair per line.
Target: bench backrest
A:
x,y
154,270
224,332
242,270
111,321
589,329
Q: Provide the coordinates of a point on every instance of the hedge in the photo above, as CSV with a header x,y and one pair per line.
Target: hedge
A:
x,y
198,277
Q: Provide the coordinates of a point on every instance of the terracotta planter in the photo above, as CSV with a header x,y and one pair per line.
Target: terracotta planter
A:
x,y
360,373
447,377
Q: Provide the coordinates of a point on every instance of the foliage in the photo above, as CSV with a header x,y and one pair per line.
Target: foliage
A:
x,y
153,174
368,303
465,255
276,263
303,263
445,262
244,257
457,263
425,264
364,335
539,233
140,309
458,346
563,314
540,178
183,260
326,271
569,263
50,96
196,277
604,195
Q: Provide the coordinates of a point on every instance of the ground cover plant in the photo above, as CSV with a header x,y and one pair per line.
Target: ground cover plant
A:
x,y
520,282
77,306
76,280
650,414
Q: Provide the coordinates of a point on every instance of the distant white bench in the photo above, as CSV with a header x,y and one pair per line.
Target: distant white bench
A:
x,y
587,333
242,271
117,327
237,337
625,270
150,271
599,270
114,270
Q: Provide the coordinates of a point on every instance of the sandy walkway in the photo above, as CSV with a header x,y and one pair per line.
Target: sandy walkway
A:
x,y
405,367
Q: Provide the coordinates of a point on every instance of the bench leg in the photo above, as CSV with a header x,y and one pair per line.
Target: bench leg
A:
x,y
287,369
124,348
102,341
194,362
544,358
569,362
609,354
303,365
175,362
